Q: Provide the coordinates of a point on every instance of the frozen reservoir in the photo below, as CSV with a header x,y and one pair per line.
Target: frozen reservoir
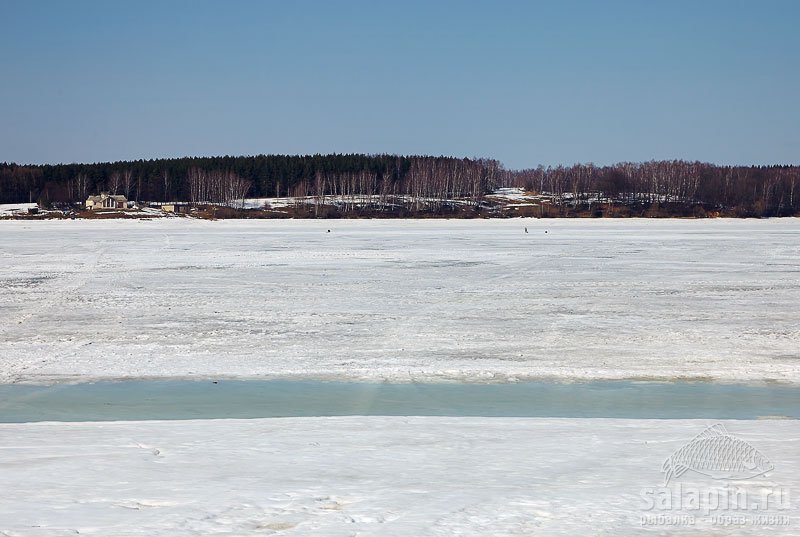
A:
x,y
187,399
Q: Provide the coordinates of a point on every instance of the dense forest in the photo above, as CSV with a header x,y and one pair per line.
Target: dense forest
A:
x,y
677,187
424,183
218,179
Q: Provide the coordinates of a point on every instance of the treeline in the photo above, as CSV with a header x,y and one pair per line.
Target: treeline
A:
x,y
421,183
672,185
427,184
222,179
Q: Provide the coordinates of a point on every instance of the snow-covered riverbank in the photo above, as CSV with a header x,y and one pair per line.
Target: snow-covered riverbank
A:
x,y
400,300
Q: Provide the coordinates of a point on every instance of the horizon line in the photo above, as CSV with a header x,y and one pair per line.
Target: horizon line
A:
x,y
402,155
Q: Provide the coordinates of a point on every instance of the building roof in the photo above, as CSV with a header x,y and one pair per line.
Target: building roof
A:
x,y
106,195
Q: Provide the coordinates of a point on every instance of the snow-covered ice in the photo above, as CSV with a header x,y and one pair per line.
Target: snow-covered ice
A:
x,y
400,300
376,476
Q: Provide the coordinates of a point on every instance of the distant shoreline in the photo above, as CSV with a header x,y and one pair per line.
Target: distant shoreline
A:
x,y
301,211
359,185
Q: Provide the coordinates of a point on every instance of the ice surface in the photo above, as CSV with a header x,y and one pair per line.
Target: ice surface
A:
x,y
403,300
366,476
399,300
192,399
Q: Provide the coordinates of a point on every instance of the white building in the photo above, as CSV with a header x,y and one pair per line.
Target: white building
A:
x,y
106,201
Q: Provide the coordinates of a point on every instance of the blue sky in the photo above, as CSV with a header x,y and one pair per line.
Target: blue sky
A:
x,y
527,83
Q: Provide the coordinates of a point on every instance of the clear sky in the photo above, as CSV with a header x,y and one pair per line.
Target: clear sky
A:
x,y
525,82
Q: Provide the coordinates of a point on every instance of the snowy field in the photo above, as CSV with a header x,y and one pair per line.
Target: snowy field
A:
x,y
378,477
400,300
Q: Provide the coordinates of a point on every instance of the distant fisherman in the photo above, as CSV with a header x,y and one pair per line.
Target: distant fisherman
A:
x,y
526,230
